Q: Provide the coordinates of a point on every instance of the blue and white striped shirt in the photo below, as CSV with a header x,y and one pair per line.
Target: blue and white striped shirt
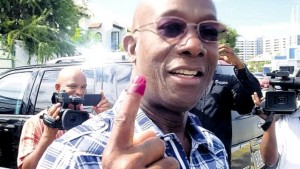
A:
x,y
82,146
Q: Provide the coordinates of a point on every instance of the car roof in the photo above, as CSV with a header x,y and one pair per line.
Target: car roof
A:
x,y
70,61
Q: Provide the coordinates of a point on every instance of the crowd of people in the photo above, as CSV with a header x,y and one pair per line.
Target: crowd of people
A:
x,y
176,112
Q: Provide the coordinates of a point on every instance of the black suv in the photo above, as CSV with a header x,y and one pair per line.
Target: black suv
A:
x,y
25,91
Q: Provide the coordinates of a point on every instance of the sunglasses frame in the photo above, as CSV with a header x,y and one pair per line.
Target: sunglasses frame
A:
x,y
222,28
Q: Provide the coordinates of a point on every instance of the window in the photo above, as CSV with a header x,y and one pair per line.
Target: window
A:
x,y
90,81
12,89
98,37
46,90
115,42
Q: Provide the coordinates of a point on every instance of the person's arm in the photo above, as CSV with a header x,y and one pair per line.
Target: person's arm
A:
x,y
29,138
243,85
268,146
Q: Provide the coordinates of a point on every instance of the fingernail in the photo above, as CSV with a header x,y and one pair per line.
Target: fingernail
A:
x,y
138,85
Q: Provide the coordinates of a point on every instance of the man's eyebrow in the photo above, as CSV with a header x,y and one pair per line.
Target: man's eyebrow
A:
x,y
72,84
175,12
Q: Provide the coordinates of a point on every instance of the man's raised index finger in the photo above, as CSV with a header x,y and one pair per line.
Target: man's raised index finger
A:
x,y
123,129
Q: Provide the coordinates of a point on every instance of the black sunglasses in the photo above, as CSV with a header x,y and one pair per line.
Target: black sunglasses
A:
x,y
175,28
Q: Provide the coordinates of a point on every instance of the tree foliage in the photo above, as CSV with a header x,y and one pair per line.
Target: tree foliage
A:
x,y
45,27
257,66
230,38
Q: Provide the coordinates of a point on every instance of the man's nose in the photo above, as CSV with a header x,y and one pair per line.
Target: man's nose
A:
x,y
191,44
80,92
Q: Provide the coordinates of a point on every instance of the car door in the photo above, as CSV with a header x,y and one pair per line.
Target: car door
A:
x,y
14,89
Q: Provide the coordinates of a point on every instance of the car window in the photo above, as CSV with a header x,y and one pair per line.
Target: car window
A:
x,y
258,74
46,90
115,79
225,69
12,89
90,75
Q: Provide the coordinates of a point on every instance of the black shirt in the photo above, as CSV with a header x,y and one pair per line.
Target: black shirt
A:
x,y
226,93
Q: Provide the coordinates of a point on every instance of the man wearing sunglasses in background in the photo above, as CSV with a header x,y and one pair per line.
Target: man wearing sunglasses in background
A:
x,y
226,93
174,49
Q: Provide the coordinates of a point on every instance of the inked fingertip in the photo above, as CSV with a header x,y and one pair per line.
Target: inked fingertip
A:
x,y
138,85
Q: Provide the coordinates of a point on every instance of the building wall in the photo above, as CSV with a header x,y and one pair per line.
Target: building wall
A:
x,y
269,46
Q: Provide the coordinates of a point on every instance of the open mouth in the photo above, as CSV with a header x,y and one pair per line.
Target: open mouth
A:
x,y
187,73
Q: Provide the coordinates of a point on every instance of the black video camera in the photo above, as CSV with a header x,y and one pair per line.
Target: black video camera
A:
x,y
68,118
283,99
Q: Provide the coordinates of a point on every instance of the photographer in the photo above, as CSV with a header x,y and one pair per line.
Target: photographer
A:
x,y
281,139
36,136
226,93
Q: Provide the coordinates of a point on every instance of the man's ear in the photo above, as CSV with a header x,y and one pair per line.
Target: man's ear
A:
x,y
129,45
57,87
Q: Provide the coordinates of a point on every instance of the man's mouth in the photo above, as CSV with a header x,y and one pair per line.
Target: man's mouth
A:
x,y
187,73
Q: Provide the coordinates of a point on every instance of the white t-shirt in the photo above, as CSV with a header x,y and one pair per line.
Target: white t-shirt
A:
x,y
288,140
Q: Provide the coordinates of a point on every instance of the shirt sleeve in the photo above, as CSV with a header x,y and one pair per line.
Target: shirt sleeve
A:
x,y
31,134
243,86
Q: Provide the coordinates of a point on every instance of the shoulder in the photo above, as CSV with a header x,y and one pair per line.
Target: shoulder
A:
x,y
213,140
214,143
35,120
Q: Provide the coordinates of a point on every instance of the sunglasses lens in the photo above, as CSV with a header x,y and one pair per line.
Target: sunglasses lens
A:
x,y
171,28
209,31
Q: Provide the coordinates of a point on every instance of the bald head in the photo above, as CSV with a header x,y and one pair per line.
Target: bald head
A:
x,y
156,44
67,73
72,80
149,10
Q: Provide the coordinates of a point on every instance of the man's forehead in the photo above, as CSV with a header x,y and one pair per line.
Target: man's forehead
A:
x,y
72,82
149,10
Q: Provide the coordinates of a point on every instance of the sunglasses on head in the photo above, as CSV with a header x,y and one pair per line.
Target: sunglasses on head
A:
x,y
175,28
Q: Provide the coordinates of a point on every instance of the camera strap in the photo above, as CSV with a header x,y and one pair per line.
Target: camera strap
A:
x,y
265,126
49,121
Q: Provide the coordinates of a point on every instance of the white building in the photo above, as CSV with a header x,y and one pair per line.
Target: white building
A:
x,y
108,26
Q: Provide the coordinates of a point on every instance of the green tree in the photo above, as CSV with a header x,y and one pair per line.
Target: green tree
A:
x,y
230,38
45,27
85,37
257,66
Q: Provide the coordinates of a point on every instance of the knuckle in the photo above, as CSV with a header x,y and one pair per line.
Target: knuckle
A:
x,y
121,120
171,163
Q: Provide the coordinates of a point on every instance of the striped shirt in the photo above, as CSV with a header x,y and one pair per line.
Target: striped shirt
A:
x,y
82,146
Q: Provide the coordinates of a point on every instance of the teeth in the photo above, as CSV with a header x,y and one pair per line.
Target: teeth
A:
x,y
186,72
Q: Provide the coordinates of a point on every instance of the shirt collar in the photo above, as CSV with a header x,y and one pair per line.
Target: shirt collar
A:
x,y
193,128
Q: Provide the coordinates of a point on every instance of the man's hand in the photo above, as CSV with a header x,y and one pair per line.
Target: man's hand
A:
x,y
258,103
103,105
123,150
53,112
227,54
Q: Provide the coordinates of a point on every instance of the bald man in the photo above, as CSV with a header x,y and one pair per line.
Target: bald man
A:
x,y
174,50
36,136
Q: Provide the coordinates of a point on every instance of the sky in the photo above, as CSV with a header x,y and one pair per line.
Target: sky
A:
x,y
251,18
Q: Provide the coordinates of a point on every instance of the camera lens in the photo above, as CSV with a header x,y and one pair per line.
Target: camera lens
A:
x,y
72,118
281,100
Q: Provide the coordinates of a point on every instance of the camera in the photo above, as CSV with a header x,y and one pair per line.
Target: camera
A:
x,y
68,118
283,99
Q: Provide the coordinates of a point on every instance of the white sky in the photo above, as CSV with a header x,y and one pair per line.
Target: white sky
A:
x,y
251,18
